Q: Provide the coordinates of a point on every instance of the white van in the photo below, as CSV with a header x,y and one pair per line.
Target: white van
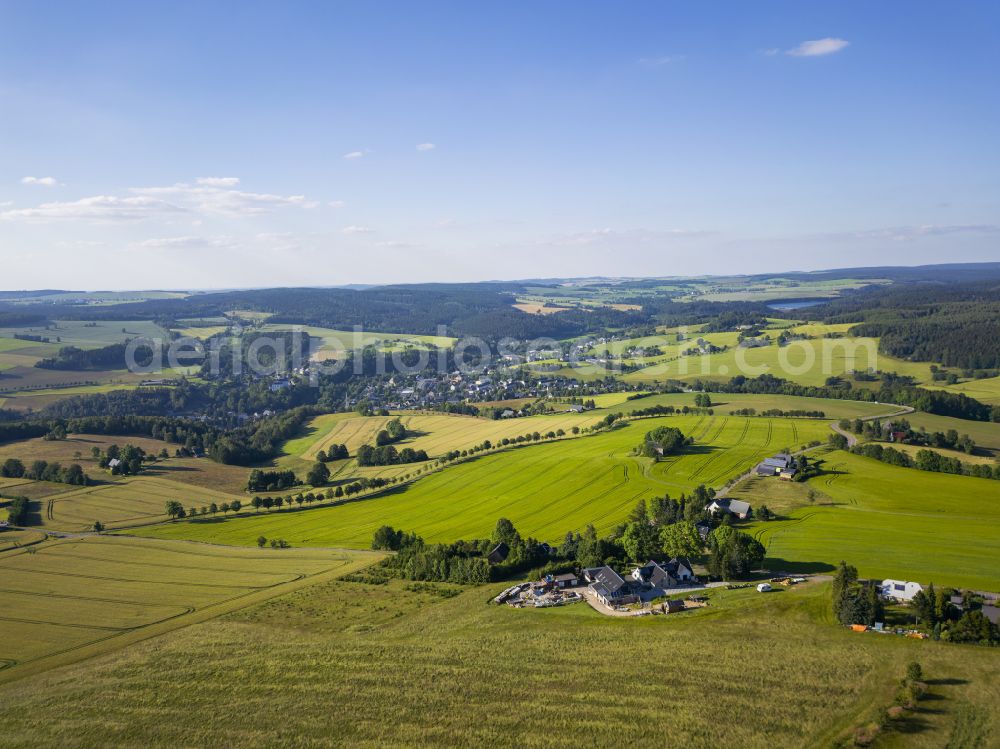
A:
x,y
764,588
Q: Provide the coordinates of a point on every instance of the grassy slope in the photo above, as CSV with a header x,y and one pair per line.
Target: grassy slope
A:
x,y
545,489
893,522
346,664
73,598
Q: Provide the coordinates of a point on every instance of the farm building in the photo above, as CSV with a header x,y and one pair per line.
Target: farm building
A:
x,y
664,574
609,587
782,465
498,554
566,580
899,590
735,507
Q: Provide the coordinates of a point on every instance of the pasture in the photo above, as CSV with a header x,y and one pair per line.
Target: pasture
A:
x,y
892,522
68,599
807,362
328,343
546,489
199,473
134,500
986,390
726,403
350,664
985,434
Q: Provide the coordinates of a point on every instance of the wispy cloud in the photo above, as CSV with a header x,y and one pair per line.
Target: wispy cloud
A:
x,y
657,61
218,181
356,230
185,243
351,155
818,47
40,181
211,198
99,208
426,146
208,196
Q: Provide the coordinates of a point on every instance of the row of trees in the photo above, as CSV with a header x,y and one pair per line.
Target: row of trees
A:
x,y
927,460
41,470
175,509
780,413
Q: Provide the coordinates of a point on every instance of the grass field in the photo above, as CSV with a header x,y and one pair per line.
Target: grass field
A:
x,y
348,664
545,489
199,473
985,390
329,342
100,591
121,504
893,522
984,433
87,335
435,433
808,362
726,403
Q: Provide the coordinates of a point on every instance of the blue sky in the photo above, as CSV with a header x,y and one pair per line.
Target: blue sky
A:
x,y
205,145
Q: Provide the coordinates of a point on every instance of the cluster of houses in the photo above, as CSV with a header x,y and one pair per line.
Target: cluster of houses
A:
x,y
781,465
651,580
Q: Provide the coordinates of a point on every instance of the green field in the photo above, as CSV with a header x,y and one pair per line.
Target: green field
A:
x,y
546,489
986,390
725,403
892,522
329,342
73,598
349,664
985,433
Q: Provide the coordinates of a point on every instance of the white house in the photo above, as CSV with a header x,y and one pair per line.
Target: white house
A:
x,y
899,590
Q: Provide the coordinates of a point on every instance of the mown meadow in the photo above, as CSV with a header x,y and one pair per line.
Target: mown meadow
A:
x,y
892,522
545,489
352,664
70,599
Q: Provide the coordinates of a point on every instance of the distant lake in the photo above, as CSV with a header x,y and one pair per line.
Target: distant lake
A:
x,y
796,304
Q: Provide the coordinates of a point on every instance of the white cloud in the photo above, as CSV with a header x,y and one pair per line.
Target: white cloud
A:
x,y
184,243
41,181
356,230
426,146
354,155
655,62
204,198
394,244
818,47
772,51
336,204
218,181
6,203
209,199
102,208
